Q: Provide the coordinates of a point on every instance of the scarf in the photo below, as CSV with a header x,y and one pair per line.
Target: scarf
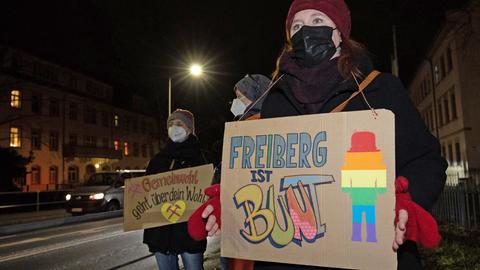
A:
x,y
310,86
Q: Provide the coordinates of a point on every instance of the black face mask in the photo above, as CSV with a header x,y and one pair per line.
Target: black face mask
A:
x,y
313,45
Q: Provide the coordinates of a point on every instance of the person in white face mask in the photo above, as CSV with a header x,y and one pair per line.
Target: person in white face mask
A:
x,y
182,150
180,125
246,105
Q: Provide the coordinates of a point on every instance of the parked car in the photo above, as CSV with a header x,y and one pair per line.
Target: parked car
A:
x,y
103,191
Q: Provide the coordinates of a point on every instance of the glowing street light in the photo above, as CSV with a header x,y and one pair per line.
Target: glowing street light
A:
x,y
195,70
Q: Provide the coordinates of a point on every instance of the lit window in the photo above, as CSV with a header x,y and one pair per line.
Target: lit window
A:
x,y
115,120
125,145
15,99
116,144
15,140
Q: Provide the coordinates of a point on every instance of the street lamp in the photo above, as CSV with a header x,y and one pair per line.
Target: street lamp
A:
x,y
195,70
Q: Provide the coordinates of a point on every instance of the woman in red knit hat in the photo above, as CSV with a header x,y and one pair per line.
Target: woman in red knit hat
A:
x,y
319,71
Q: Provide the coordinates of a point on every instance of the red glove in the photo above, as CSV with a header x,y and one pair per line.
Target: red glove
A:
x,y
196,224
421,226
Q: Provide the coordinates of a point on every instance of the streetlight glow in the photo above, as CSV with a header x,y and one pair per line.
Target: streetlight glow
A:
x,y
196,70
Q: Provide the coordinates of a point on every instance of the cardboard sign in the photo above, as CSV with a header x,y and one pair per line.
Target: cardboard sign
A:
x,y
310,190
165,198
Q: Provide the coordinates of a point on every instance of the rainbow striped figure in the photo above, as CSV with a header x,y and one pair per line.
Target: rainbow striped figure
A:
x,y
364,176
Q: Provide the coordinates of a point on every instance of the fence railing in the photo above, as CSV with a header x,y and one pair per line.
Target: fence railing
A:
x,y
459,203
31,201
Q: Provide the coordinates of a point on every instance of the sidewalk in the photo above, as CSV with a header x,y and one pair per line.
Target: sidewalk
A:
x,y
29,217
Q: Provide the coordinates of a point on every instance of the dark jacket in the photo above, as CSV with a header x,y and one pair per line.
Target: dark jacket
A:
x,y
417,150
174,239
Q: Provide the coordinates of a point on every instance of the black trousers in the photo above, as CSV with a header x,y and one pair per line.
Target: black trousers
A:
x,y
407,256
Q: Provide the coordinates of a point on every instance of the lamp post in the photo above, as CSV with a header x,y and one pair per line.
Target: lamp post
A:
x,y
195,70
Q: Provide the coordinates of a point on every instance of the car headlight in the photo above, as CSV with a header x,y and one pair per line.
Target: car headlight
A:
x,y
97,196
68,197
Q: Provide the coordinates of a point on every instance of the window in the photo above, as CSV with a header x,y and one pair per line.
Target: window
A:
x,y
105,142
440,114
443,71
15,99
35,175
453,104
36,139
73,174
53,141
429,84
36,103
449,60
90,169
436,74
450,153
90,116
73,139
53,175
135,150
144,150
115,120
446,109
458,155
116,144
73,112
105,119
125,148
54,109
90,141
127,123
15,137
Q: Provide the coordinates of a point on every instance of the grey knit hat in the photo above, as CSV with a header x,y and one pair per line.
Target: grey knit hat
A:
x,y
185,116
252,86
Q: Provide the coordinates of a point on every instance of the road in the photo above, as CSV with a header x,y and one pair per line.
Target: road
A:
x,y
91,245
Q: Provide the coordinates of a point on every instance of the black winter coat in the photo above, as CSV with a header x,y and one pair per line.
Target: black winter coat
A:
x,y
417,150
174,239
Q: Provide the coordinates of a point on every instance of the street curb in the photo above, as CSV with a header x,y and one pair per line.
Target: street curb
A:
x,y
19,228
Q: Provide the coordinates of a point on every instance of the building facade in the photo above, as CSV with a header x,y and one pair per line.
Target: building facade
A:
x,y
446,90
68,123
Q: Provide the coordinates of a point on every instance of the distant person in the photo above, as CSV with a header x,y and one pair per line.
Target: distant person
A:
x,y
320,71
250,94
249,91
182,150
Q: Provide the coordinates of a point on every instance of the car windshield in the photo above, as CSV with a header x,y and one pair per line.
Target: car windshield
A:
x,y
102,179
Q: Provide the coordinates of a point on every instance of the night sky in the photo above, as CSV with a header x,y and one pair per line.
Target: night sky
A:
x,y
136,45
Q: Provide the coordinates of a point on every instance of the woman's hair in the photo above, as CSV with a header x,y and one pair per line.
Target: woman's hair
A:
x,y
348,62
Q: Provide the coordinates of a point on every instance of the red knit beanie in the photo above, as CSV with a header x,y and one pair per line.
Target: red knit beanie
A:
x,y
336,10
